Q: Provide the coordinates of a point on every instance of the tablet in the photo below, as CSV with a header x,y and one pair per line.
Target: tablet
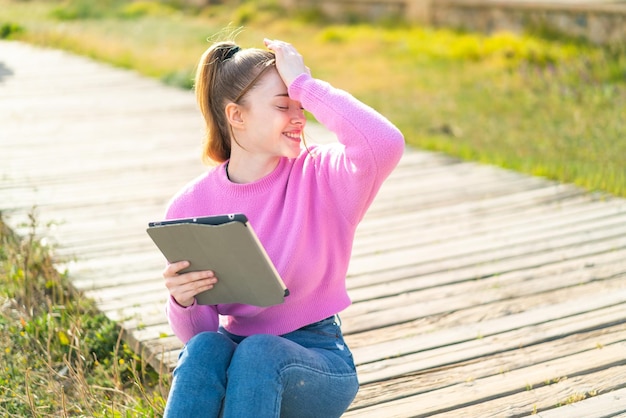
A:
x,y
205,220
227,245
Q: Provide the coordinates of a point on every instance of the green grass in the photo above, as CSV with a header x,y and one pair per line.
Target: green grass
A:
x,y
61,357
548,106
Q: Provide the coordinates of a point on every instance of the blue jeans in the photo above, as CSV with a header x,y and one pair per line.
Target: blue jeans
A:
x,y
306,373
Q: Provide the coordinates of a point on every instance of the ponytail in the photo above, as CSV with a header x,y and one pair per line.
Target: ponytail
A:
x,y
225,74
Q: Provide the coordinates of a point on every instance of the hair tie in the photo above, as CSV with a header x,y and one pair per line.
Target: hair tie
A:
x,y
232,51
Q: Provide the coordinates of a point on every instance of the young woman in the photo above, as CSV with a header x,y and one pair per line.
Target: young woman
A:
x,y
304,203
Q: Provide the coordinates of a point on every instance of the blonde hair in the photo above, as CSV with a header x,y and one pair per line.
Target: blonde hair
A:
x,y
225,74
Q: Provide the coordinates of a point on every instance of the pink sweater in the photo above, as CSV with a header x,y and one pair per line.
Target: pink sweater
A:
x,y
305,213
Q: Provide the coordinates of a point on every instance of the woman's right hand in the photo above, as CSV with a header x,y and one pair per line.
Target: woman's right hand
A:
x,y
289,62
185,286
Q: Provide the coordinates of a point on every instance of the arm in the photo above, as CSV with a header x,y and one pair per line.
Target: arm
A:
x,y
372,146
185,316
369,138
191,320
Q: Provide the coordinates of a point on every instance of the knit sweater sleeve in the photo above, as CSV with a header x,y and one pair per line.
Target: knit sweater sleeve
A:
x,y
369,148
189,321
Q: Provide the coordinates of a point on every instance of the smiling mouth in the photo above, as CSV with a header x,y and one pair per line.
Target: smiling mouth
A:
x,y
294,136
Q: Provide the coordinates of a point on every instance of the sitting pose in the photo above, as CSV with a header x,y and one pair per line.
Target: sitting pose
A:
x,y
304,202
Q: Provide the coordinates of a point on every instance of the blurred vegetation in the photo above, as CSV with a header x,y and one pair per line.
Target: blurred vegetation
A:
x,y
539,102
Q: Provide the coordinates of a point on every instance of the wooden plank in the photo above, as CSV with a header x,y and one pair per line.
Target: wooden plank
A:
x,y
394,359
474,306
417,229
487,388
607,405
481,248
411,276
595,395
430,380
460,282
432,317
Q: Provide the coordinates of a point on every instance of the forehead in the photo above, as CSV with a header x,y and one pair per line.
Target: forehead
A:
x,y
270,84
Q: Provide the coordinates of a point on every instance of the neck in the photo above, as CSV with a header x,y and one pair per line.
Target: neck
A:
x,y
248,170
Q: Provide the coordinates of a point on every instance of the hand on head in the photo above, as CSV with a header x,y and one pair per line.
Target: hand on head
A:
x,y
289,62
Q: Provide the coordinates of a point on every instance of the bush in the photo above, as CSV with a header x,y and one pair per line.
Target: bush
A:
x,y
138,9
8,29
86,9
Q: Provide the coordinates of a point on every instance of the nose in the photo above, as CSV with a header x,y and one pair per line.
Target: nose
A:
x,y
297,117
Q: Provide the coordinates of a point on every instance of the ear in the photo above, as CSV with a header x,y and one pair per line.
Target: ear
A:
x,y
234,115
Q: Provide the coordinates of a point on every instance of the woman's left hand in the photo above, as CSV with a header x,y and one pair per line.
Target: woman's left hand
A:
x,y
289,62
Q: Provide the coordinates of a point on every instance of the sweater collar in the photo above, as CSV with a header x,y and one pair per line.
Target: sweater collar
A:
x,y
260,186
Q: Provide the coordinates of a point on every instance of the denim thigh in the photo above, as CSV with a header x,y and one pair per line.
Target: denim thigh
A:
x,y
305,373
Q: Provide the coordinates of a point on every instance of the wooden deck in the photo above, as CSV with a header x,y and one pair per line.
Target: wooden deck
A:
x,y
478,292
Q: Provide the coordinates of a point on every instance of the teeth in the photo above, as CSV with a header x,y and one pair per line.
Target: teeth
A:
x,y
292,135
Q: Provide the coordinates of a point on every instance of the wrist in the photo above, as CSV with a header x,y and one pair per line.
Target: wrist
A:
x,y
184,303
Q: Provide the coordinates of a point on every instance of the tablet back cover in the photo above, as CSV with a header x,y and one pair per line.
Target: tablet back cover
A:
x,y
232,250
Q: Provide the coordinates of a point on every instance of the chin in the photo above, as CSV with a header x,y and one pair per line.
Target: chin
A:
x,y
293,152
